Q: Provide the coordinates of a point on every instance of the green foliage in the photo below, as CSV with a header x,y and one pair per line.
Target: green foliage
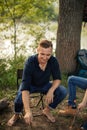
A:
x,y
8,71
27,10
3,71
19,63
64,79
8,93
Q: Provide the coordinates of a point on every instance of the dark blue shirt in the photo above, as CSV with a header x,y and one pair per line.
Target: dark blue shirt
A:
x,y
33,75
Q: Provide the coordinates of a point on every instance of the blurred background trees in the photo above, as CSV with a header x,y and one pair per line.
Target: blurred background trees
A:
x,y
23,23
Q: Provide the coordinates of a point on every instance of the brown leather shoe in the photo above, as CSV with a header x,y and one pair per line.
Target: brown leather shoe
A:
x,y
68,111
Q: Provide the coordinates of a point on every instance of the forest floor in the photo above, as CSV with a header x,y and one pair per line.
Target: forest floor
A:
x,y
41,122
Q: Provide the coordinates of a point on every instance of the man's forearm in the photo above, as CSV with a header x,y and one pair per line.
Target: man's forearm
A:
x,y
55,84
26,100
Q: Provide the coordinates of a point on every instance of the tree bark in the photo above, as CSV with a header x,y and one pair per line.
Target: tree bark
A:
x,y
69,33
3,103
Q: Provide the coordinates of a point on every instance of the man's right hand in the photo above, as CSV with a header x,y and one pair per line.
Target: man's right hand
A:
x,y
28,118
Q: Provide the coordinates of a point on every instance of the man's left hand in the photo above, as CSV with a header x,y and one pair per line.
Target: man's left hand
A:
x,y
49,97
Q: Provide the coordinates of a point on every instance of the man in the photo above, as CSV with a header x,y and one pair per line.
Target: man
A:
x,y
73,83
36,75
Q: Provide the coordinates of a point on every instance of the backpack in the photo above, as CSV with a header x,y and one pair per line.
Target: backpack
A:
x,y
82,63
82,73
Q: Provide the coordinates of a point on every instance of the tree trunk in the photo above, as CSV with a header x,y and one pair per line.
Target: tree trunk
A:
x,y
69,33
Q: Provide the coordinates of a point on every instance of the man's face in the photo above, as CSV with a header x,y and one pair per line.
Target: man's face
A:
x,y
44,54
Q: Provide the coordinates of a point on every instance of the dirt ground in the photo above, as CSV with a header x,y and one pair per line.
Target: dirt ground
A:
x,y
41,122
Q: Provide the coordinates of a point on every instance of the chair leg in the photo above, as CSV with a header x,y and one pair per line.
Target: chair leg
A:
x,y
42,105
41,100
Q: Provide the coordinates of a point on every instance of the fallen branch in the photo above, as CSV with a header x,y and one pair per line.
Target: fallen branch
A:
x,y
4,103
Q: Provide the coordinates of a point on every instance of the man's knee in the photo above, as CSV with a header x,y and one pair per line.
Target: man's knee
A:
x,y
62,90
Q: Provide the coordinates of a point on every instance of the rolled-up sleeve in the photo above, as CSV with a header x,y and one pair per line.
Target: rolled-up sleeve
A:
x,y
56,74
27,73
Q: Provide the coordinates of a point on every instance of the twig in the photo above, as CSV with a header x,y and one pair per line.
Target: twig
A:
x,y
73,122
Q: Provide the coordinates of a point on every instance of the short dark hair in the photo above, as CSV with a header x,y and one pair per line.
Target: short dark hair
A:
x,y
46,44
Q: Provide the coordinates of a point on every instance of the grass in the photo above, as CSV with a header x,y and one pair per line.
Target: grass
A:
x,y
9,93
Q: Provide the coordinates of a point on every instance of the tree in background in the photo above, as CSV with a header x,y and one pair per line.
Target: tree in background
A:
x,y
69,33
29,12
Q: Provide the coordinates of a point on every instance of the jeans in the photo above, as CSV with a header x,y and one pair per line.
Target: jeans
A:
x,y
73,83
59,94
